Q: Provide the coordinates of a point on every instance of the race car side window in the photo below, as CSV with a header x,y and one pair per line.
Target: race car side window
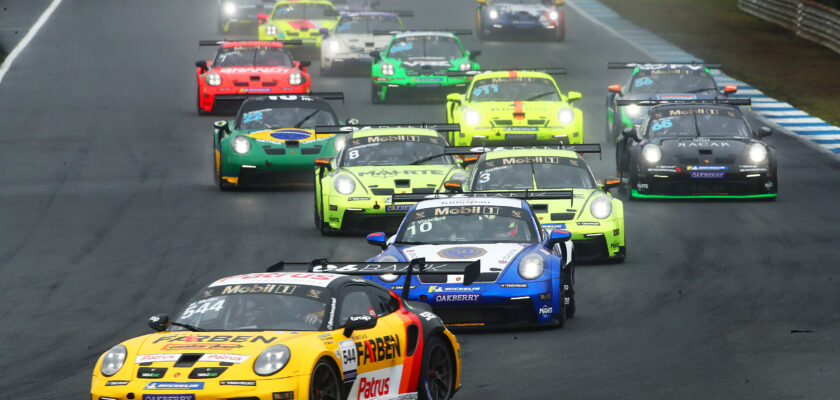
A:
x,y
383,302
354,300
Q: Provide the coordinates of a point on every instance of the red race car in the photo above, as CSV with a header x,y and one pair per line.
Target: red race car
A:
x,y
247,68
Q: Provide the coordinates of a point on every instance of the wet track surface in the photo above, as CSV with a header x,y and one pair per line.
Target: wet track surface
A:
x,y
108,214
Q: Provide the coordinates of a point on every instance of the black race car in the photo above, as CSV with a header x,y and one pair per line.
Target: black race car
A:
x,y
697,149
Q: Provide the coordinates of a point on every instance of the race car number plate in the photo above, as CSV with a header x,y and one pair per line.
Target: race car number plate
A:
x,y
397,207
168,397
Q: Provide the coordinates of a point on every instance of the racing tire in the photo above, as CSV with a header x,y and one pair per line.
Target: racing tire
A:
x,y
561,315
198,104
374,96
324,383
571,308
620,256
437,375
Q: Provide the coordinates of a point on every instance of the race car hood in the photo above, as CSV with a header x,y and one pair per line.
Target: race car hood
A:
x,y
200,350
278,136
312,26
427,65
519,112
254,74
495,257
709,95
363,42
702,150
403,178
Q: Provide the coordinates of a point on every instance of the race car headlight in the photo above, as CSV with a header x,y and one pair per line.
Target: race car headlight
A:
x,y
566,116
493,14
241,144
633,111
271,30
344,184
213,79
295,78
652,153
334,46
229,8
388,277
757,153
113,360
272,360
465,66
387,69
339,142
531,267
553,15
472,117
601,207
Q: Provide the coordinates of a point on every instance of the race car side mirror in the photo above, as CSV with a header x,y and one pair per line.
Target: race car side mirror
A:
x,y
730,89
222,127
377,239
572,96
324,163
304,63
453,187
614,88
324,32
558,236
359,322
261,18
764,131
481,1
630,133
159,322
610,183
470,160
474,54
454,98
202,66
376,55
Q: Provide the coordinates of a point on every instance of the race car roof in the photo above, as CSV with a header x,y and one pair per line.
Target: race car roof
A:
x,y
394,131
320,279
493,155
470,201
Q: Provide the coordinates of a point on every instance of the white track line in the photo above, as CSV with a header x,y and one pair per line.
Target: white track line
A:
x,y
28,38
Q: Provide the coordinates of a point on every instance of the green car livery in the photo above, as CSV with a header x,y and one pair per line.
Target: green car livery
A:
x,y
415,64
272,141
353,190
507,107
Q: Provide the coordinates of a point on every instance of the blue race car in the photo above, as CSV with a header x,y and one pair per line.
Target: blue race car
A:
x,y
541,18
526,275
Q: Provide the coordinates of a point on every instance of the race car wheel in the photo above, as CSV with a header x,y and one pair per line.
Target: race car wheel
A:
x,y
198,104
375,97
324,383
620,255
560,317
571,307
437,379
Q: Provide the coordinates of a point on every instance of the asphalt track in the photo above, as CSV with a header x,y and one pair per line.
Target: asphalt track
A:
x,y
109,215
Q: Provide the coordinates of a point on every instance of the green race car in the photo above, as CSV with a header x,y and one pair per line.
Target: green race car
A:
x,y
593,216
514,106
272,141
306,20
353,190
415,64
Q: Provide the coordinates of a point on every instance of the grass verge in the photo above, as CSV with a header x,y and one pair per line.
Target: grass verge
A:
x,y
772,59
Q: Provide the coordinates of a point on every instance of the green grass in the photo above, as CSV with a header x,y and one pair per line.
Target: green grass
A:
x,y
772,59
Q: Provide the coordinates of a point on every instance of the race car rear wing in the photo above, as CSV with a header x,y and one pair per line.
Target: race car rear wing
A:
x,y
478,150
641,64
548,70
458,32
417,266
511,194
440,128
295,42
653,102
399,13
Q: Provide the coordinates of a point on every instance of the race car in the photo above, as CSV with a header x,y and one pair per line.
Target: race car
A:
x,y
247,68
510,17
272,141
698,149
415,65
593,216
347,47
306,20
526,275
286,335
651,81
353,190
514,106
241,13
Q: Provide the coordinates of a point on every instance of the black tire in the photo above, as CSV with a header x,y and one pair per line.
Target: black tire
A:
x,y
571,308
560,317
437,376
374,96
198,103
324,383
621,255
317,215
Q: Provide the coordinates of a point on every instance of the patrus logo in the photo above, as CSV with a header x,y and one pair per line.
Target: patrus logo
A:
x,y
457,253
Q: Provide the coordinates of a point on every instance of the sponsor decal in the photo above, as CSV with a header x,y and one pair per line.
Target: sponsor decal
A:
x,y
205,373
371,388
704,143
397,207
400,287
358,198
255,90
228,358
407,396
380,349
332,315
707,174
393,172
457,298
457,253
545,296
589,223
546,311
168,397
432,63
215,339
347,353
238,383
466,210
291,134
250,70
299,278
554,226
116,383
174,386
707,168
428,316
642,186
151,373
522,128
150,358
256,289
200,346
514,285
445,289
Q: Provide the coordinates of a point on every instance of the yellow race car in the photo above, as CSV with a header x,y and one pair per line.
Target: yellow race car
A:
x,y
291,335
307,20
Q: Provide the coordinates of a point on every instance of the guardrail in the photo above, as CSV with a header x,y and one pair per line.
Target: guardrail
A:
x,y
808,19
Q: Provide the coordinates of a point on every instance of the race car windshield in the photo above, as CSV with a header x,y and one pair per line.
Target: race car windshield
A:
x,y
673,81
537,172
532,2
253,57
467,224
390,150
285,117
304,11
362,25
408,47
701,122
514,89
256,307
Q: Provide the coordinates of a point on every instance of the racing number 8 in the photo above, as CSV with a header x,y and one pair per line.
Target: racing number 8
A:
x,y
353,154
